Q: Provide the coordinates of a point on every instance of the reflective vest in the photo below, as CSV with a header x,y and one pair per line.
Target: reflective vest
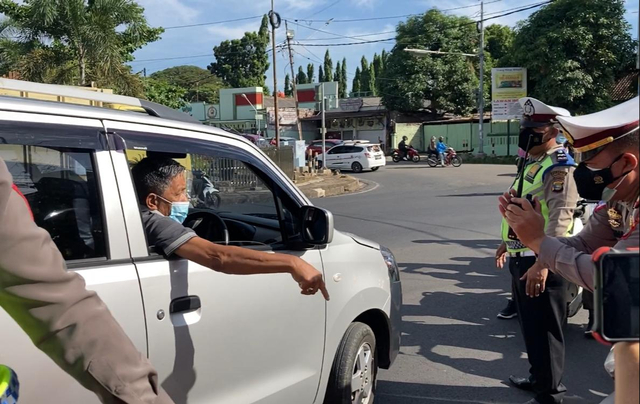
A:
x,y
9,386
534,176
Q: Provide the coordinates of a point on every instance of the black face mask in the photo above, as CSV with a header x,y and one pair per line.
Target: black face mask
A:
x,y
529,133
593,184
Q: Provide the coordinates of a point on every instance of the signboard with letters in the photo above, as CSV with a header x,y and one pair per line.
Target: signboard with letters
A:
x,y
508,85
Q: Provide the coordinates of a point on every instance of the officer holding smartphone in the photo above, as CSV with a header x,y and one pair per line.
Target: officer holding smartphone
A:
x,y
606,143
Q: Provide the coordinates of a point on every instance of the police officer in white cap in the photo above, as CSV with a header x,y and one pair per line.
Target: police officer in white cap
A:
x,y
540,297
607,145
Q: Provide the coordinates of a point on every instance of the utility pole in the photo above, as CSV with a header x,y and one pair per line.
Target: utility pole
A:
x,y
481,89
324,146
273,21
293,80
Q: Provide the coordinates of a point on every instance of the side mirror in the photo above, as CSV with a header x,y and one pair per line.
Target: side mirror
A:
x,y
316,226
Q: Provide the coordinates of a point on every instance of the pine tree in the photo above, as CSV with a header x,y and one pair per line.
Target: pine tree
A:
x,y
343,78
355,87
310,72
365,76
288,88
301,78
320,75
336,77
328,67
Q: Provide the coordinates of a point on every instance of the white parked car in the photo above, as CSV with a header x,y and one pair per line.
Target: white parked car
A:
x,y
355,156
213,338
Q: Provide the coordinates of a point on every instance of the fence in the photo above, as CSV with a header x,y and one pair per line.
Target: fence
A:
x,y
499,139
224,172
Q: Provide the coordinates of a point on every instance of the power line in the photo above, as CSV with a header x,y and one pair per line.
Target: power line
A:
x,y
389,17
328,33
279,47
354,36
213,22
348,43
324,9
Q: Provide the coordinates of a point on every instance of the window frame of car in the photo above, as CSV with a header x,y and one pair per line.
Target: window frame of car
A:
x,y
173,142
78,135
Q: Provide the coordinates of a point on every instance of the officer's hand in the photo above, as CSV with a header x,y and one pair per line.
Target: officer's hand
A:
x,y
505,200
536,278
501,255
308,278
527,222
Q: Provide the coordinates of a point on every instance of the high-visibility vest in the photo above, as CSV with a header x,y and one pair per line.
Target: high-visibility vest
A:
x,y
534,176
9,386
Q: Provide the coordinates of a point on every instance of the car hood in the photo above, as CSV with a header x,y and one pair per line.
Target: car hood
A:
x,y
362,241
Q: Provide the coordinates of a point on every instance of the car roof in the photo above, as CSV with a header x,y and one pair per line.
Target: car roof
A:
x,y
28,105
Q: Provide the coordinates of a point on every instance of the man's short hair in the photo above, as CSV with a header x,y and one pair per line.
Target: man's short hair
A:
x,y
153,175
627,143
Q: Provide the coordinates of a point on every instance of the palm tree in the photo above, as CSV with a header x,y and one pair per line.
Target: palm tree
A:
x,y
96,36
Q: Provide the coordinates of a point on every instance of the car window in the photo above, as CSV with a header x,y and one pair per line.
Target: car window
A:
x,y
223,182
61,188
357,149
338,150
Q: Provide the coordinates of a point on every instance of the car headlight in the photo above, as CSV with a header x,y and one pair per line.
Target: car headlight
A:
x,y
392,265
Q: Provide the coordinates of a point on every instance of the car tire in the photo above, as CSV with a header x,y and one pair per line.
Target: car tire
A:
x,y
374,168
456,161
355,361
356,167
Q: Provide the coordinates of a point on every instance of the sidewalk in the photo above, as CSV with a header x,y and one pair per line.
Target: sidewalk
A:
x,y
325,185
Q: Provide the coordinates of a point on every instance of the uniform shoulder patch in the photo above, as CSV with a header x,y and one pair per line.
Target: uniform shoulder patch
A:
x,y
558,180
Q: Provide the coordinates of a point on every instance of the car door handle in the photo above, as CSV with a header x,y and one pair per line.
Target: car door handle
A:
x,y
184,304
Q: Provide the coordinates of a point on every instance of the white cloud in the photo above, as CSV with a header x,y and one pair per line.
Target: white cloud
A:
x,y
231,31
168,12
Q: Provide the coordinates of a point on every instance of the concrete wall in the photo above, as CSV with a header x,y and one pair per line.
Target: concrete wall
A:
x,y
411,130
499,139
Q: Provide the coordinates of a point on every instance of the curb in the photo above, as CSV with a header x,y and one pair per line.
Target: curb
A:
x,y
346,185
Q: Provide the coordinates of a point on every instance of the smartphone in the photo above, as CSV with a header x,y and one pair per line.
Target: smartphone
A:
x,y
617,295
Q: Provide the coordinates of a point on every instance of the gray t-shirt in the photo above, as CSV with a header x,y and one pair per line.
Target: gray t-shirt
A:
x,y
164,233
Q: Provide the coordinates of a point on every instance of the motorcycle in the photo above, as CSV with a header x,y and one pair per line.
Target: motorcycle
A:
x,y
206,195
412,155
450,158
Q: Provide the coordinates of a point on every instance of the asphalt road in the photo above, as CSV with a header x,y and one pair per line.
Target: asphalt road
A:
x,y
443,226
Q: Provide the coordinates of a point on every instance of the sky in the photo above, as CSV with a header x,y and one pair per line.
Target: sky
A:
x,y
193,45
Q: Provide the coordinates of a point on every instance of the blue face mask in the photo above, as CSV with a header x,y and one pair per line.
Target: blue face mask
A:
x,y
179,210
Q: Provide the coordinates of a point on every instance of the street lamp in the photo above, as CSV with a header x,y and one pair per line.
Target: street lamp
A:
x,y
424,52
254,109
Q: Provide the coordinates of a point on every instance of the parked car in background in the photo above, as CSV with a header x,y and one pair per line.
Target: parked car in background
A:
x,y
256,139
284,141
213,338
316,146
355,156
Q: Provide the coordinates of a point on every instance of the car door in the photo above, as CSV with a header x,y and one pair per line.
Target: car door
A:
x,y
334,157
61,167
216,338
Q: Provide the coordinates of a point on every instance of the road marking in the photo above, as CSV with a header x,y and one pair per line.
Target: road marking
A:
x,y
440,400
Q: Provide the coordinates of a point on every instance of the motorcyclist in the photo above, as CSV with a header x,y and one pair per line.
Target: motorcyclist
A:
x,y
441,148
404,149
433,148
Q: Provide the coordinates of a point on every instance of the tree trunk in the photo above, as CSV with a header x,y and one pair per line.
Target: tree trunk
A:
x,y
82,65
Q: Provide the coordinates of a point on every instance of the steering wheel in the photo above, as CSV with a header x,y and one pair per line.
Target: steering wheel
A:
x,y
209,226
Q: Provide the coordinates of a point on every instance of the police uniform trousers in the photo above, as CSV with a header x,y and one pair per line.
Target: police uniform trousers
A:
x,y
541,321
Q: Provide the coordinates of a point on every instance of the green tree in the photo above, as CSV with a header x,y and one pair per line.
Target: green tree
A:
x,y
320,75
97,37
288,88
355,86
164,93
343,78
365,76
378,67
199,83
243,62
447,81
574,51
310,72
498,40
328,67
301,78
337,76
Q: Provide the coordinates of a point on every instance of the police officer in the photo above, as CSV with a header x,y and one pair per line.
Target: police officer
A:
x,y
541,297
67,322
607,144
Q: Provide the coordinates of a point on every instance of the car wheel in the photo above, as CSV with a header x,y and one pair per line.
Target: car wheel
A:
x,y
356,167
355,369
374,168
456,161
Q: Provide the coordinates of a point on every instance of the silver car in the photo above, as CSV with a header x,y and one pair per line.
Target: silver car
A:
x,y
213,338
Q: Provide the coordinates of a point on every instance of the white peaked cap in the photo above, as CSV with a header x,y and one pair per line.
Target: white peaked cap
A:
x,y
588,132
538,111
